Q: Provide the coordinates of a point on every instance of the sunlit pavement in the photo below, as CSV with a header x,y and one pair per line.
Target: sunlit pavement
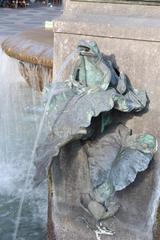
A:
x,y
13,21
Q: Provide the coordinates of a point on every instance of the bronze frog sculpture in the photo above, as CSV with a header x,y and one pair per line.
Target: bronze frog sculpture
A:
x,y
96,88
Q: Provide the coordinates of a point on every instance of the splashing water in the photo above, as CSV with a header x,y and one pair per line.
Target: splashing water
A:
x,y
41,125
17,134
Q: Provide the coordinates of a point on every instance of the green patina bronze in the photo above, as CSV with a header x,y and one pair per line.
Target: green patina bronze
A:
x,y
92,92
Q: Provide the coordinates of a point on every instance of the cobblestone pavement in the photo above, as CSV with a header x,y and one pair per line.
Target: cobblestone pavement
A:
x,y
13,21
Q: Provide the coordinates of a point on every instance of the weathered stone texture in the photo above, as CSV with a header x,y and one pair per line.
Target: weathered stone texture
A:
x,y
132,40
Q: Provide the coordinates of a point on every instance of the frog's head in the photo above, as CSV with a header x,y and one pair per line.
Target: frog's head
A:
x,y
88,48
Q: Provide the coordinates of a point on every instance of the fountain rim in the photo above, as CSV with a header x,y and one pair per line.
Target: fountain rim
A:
x,y
32,49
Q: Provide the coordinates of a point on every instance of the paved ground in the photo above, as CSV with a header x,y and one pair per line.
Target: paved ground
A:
x,y
17,20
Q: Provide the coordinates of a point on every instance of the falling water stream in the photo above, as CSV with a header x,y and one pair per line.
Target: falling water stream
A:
x,y
17,135
23,209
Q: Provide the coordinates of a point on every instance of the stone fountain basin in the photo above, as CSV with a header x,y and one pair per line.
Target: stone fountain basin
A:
x,y
34,51
33,46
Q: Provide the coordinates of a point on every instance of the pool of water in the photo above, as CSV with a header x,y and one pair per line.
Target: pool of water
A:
x,y
31,226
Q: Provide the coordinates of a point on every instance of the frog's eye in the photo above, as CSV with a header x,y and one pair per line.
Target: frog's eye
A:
x,y
87,49
84,48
